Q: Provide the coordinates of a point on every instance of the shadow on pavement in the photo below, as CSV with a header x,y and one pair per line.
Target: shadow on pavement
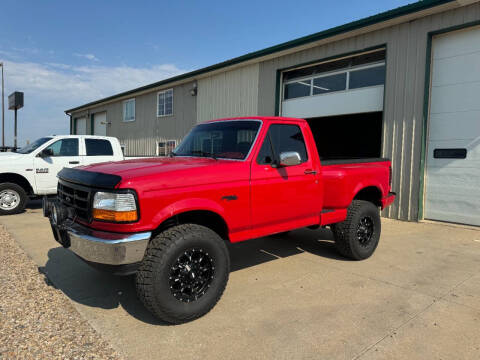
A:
x,y
34,204
93,288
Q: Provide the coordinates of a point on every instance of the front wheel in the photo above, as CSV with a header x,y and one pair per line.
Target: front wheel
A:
x,y
357,237
184,273
13,199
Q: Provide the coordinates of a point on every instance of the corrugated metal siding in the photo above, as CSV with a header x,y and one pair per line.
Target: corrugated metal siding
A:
x,y
232,93
404,93
140,137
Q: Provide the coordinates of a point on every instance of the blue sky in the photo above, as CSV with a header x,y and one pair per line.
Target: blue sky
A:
x,y
64,53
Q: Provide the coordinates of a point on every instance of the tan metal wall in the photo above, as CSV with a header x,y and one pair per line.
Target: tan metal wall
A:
x,y
404,93
141,136
232,93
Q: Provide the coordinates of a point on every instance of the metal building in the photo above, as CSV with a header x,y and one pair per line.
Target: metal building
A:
x,y
403,84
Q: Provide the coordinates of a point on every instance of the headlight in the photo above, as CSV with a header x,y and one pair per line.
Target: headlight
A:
x,y
116,207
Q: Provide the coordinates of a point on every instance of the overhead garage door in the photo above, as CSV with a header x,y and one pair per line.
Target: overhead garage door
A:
x,y
346,86
453,158
100,124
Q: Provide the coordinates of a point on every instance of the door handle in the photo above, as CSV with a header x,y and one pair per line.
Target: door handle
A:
x,y
310,172
74,162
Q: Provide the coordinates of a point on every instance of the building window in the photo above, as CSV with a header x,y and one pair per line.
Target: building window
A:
x,y
298,89
165,103
326,84
165,148
129,110
367,77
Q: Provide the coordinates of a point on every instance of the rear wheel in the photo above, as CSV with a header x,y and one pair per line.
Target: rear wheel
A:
x,y
184,273
13,199
357,237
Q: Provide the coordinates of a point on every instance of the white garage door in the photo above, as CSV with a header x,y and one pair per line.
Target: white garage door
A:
x,y
81,126
345,86
453,160
100,124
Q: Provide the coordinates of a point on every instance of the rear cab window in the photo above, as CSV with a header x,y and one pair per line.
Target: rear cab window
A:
x,y
98,147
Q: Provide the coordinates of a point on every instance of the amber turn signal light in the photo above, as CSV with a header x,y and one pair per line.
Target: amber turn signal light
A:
x,y
115,216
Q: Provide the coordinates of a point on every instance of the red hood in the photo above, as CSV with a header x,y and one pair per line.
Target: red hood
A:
x,y
169,172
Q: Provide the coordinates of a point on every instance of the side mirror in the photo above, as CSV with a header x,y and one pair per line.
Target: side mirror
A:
x,y
290,158
46,153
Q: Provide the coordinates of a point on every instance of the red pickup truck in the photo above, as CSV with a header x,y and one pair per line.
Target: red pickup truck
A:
x,y
168,219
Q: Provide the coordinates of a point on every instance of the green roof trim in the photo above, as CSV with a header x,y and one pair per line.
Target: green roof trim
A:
x,y
354,25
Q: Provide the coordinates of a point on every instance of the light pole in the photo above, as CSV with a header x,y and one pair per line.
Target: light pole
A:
x,y
15,102
3,110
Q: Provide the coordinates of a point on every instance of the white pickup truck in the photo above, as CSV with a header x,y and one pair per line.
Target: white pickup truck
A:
x,y
32,170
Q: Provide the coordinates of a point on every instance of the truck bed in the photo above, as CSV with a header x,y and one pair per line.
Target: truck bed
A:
x,y
344,177
329,162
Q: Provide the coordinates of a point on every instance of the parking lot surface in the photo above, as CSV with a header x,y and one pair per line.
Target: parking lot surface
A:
x,y
293,297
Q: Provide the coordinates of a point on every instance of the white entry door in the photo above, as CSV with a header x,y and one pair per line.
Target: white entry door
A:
x,y
81,126
100,124
453,158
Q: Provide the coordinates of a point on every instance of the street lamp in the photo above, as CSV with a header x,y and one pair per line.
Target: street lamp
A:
x,y
3,111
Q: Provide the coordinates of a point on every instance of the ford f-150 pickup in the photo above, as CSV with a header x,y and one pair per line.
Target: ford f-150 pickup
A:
x,y
168,219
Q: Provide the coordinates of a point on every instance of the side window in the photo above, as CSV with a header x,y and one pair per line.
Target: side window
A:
x,y
98,147
283,138
64,147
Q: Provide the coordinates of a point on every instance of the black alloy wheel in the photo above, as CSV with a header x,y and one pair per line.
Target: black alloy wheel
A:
x,y
191,275
365,231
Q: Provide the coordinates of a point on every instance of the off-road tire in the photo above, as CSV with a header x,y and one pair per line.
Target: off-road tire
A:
x,y
22,201
154,274
346,233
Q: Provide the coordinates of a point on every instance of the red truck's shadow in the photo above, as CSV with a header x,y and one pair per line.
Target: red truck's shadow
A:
x,y
90,287
258,251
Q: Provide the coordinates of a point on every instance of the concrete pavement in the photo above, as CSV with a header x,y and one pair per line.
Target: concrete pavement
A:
x,y
293,297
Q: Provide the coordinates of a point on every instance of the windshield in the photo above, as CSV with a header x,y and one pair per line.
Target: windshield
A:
x,y
35,145
222,139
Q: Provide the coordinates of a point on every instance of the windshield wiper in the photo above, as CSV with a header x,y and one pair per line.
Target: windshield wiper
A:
x,y
172,154
204,153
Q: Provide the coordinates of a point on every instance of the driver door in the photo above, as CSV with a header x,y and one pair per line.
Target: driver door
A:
x,y
284,197
63,153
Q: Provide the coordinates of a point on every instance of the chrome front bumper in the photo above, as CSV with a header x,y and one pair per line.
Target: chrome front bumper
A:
x,y
94,246
105,247
100,247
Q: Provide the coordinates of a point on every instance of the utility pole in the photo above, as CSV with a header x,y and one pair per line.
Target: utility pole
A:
x,y
3,110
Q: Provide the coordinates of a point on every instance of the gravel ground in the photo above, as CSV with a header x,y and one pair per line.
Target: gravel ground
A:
x,y
37,321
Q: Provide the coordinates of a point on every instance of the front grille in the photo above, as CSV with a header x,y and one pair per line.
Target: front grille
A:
x,y
76,197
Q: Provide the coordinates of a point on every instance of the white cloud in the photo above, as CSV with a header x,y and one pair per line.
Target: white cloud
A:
x,y
52,88
88,56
